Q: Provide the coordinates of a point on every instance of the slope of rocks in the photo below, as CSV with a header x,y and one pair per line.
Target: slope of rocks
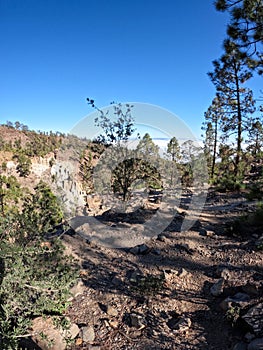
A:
x,y
200,289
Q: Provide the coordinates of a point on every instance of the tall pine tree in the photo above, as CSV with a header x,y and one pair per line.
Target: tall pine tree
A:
x,y
211,128
229,75
245,28
173,149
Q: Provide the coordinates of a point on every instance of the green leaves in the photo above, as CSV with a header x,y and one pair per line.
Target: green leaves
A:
x,y
32,284
35,276
117,127
245,29
24,164
41,209
173,149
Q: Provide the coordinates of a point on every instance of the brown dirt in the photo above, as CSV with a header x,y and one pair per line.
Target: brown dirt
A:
x,y
185,266
11,134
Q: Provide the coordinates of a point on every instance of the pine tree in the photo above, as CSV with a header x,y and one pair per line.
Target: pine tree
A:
x,y
211,128
246,26
255,139
148,153
24,164
229,75
190,151
42,209
226,177
147,147
173,149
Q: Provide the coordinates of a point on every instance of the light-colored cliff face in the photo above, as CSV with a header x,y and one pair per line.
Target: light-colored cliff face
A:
x,y
61,176
41,164
69,190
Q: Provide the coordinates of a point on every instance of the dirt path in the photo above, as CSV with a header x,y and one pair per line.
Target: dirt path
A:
x,y
160,297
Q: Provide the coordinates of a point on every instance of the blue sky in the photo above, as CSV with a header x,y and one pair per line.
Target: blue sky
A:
x,y
54,54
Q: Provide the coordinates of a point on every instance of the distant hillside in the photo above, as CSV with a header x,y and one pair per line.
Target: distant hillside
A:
x,y
12,135
19,139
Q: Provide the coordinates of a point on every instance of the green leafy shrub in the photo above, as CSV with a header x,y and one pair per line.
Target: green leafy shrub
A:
x,y
255,191
41,210
35,280
257,217
35,275
232,315
229,183
24,164
148,284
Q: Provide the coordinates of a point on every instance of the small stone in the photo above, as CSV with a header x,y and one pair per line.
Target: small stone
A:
x,y
254,318
111,311
137,321
217,288
45,326
134,250
202,232
114,324
73,331
143,249
183,324
116,281
238,299
259,244
256,344
156,251
161,238
83,273
78,289
225,274
241,297
140,249
182,272
186,247
197,225
78,341
168,235
223,271
134,277
210,233
87,334
226,304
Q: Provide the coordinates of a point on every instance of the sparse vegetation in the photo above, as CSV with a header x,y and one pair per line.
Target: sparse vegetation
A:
x,y
35,280
35,275
187,285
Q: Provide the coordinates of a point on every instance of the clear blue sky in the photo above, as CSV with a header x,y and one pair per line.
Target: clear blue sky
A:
x,y
55,53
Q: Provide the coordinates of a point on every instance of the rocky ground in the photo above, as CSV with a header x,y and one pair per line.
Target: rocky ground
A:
x,y
199,289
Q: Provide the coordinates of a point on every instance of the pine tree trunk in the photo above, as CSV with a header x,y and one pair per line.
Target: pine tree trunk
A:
x,y
214,152
239,125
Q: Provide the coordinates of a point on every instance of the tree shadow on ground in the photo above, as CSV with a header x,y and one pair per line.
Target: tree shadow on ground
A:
x,y
111,272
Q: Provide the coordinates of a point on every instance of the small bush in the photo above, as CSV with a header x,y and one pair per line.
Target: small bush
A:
x,y
255,191
232,315
35,275
35,279
149,284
